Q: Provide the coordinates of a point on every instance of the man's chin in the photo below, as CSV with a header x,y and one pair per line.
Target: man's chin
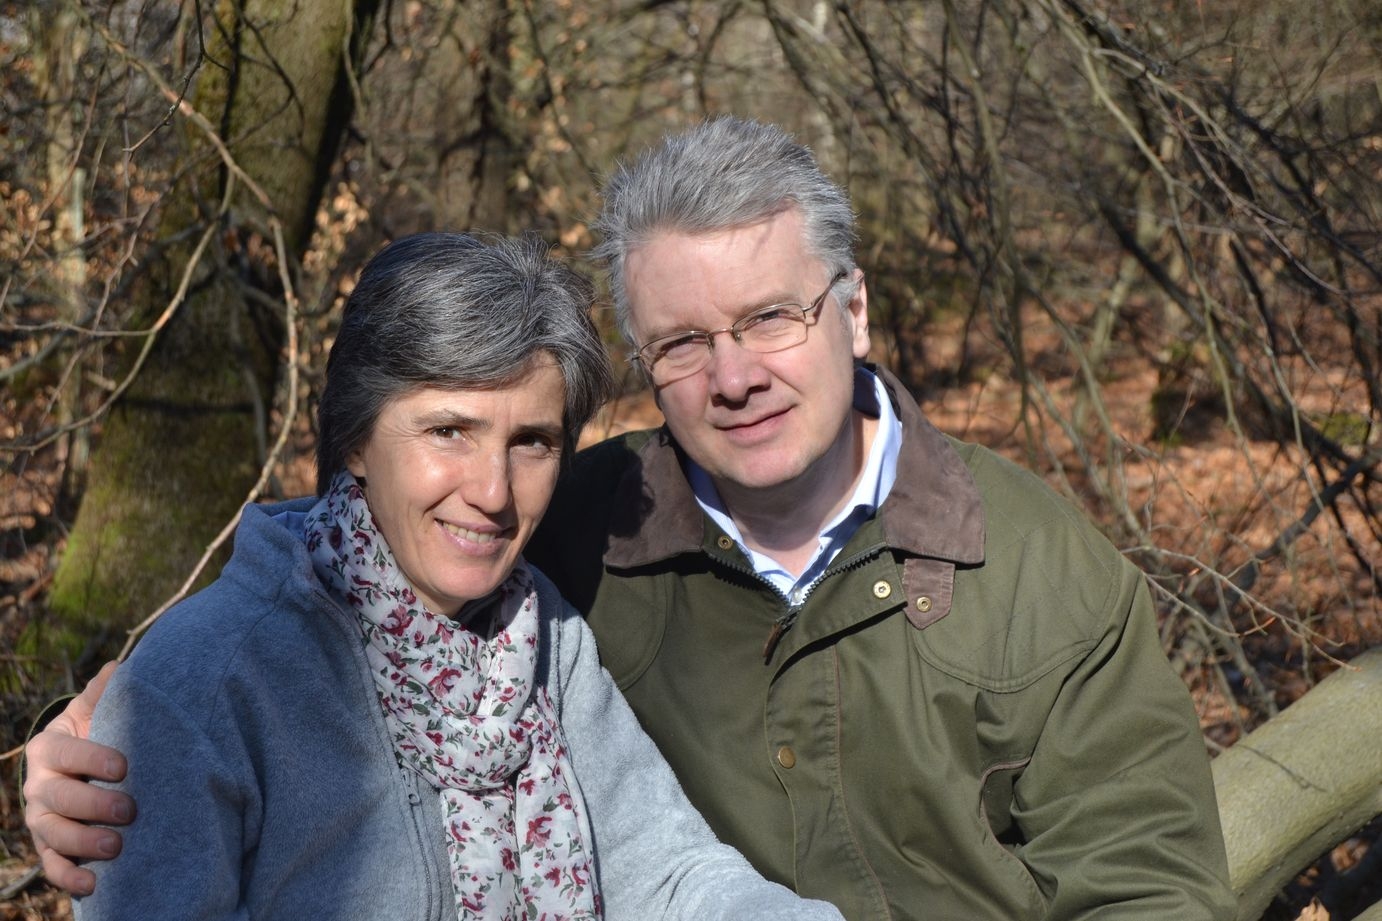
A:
x,y
760,473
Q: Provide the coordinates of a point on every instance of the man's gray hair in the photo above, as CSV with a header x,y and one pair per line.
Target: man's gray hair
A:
x,y
448,310
723,173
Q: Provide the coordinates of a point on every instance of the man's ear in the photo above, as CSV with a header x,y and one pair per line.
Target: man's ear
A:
x,y
857,313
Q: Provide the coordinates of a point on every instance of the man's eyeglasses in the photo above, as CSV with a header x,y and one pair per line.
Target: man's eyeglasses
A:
x,y
770,329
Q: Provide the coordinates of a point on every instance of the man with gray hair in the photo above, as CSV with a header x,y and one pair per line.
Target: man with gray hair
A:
x,y
893,669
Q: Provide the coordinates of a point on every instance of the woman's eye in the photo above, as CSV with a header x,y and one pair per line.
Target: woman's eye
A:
x,y
536,446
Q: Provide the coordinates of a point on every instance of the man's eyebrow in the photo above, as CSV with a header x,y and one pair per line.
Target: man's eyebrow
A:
x,y
771,300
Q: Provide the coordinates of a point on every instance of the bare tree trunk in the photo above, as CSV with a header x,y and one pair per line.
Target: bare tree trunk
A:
x,y
183,446
498,152
62,45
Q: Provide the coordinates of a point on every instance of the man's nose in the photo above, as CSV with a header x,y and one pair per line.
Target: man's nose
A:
x,y
734,371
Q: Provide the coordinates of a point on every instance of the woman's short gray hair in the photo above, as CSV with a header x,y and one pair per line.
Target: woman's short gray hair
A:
x,y
723,173
448,310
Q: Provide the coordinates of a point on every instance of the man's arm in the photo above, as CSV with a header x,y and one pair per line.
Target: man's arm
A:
x,y
58,799
1117,803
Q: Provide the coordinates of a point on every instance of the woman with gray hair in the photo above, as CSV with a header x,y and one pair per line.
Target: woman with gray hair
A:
x,y
378,709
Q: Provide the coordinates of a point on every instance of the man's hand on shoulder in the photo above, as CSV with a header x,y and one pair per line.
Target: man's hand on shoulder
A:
x,y
59,801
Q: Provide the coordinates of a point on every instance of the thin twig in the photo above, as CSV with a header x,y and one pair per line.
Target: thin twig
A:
x,y
290,309
19,885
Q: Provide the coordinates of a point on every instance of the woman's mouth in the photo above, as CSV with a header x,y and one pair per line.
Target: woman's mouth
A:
x,y
464,533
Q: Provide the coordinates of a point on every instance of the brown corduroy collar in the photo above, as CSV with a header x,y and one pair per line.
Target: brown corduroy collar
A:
x,y
933,510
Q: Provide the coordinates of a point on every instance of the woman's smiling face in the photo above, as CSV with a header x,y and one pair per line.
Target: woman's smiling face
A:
x,y
458,479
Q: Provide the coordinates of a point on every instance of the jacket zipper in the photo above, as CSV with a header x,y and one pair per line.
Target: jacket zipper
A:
x,y
410,781
798,598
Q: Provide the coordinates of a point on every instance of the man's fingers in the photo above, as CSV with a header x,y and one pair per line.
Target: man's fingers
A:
x,y
73,840
65,801
56,751
84,704
66,875
58,798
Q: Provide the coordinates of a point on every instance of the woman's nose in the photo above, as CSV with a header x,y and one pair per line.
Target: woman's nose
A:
x,y
487,485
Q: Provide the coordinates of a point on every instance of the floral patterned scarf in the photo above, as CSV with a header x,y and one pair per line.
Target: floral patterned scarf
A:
x,y
466,714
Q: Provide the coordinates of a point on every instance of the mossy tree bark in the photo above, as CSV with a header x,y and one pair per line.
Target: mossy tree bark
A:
x,y
183,445
61,45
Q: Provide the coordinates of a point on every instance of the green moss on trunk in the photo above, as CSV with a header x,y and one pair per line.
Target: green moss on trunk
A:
x,y
180,450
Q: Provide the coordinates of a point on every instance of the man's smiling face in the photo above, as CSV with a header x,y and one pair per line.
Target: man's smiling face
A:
x,y
752,421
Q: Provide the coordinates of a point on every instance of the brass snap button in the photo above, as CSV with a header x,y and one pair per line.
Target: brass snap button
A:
x,y
786,757
724,543
924,604
882,589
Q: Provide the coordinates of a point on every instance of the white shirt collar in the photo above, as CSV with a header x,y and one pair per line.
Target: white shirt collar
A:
x,y
875,482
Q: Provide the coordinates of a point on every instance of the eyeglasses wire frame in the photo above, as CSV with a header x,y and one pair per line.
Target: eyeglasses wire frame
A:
x,y
646,356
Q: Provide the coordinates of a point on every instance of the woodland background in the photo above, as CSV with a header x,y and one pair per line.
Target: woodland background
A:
x,y
1133,245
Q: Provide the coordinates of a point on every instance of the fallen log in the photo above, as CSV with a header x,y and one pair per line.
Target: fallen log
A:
x,y
1302,782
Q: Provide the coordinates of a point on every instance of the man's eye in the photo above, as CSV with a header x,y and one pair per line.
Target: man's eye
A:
x,y
679,347
770,322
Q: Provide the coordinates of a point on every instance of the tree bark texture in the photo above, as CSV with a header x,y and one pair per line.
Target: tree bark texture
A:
x,y
182,447
61,47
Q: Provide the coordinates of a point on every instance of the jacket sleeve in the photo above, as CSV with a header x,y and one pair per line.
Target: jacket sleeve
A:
x,y
1117,805
182,855
657,857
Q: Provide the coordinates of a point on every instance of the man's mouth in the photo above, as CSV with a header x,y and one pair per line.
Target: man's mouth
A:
x,y
736,425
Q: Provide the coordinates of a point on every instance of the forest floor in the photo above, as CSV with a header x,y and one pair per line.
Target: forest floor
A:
x,y
1211,493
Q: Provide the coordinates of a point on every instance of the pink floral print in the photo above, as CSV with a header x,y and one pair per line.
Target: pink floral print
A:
x,y
467,715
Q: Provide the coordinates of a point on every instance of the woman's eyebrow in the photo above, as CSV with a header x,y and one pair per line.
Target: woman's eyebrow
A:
x,y
551,431
446,418
449,418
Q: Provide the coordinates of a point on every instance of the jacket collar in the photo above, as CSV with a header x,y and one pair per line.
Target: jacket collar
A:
x,y
655,515
934,509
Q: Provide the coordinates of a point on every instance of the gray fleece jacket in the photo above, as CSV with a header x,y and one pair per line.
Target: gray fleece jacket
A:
x,y
267,786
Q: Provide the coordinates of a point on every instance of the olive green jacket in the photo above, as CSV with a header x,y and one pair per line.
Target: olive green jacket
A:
x,y
969,716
